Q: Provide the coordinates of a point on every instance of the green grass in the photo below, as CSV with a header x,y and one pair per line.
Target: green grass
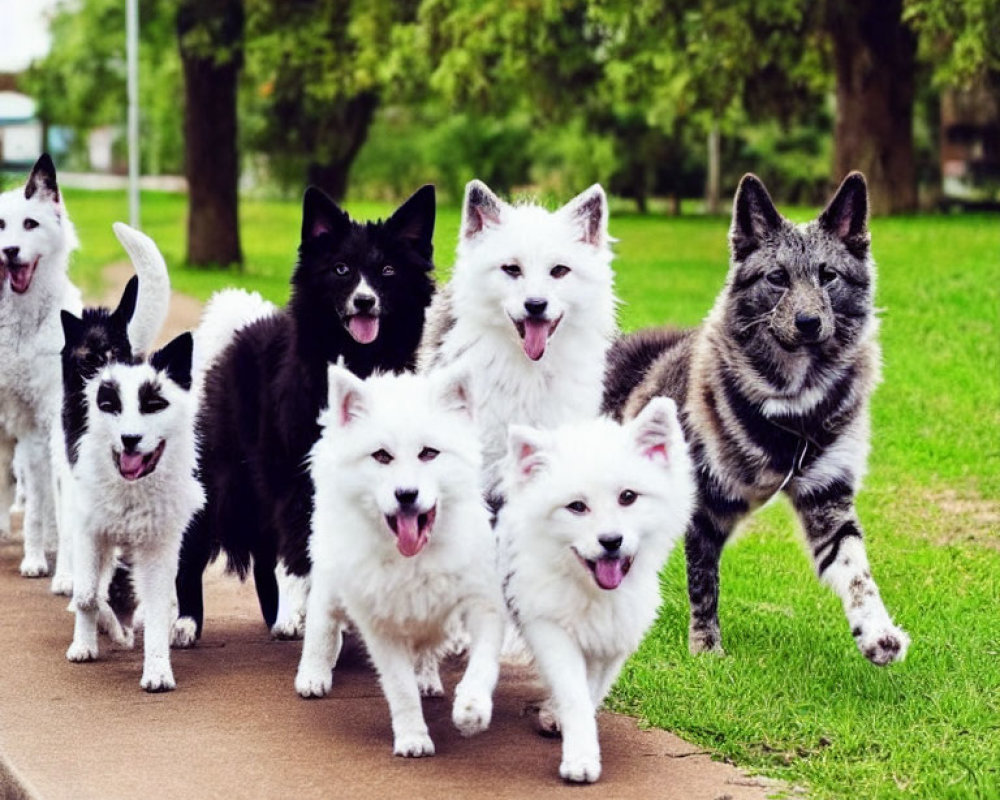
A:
x,y
793,698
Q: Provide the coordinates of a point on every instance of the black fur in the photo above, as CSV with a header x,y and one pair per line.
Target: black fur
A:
x,y
92,341
262,397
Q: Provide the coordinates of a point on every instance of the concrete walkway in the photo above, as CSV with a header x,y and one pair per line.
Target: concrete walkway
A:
x,y
235,728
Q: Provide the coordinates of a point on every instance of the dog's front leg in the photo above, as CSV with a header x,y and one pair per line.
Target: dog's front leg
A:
x,y
834,536
473,707
154,573
396,669
601,675
7,482
324,635
38,509
564,669
90,559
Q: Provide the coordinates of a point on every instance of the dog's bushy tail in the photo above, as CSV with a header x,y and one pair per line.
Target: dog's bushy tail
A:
x,y
154,287
628,360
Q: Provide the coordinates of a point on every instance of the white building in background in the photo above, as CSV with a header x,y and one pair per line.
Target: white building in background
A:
x,y
20,130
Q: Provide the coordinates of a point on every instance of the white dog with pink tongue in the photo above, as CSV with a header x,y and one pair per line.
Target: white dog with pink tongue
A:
x,y
593,510
401,546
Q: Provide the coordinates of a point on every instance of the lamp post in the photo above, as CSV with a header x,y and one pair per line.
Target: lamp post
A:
x,y
132,67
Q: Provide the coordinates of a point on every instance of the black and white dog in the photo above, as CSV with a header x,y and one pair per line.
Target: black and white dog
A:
x,y
359,293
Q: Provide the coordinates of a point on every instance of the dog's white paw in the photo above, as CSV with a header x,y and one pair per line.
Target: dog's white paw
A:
x,y
80,651
548,720
429,680
471,713
34,567
313,683
287,629
580,768
62,584
158,679
413,745
184,633
881,643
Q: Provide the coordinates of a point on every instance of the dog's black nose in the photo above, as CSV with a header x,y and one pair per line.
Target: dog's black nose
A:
x,y
407,497
536,306
610,542
364,303
130,443
808,324
11,252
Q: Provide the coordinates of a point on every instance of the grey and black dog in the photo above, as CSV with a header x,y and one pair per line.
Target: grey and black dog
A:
x,y
774,390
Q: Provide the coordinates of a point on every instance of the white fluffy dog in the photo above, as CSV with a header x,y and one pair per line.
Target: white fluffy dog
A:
x,y
401,545
135,473
593,511
36,239
528,314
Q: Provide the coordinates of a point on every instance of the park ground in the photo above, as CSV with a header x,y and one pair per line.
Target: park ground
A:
x,y
793,699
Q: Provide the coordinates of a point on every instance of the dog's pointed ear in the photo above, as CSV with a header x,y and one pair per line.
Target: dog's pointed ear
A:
x,y
320,216
656,430
42,180
126,306
480,208
455,393
589,211
72,327
754,217
526,449
174,358
846,216
414,220
346,395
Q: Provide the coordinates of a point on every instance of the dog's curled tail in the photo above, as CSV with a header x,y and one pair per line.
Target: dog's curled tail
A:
x,y
154,286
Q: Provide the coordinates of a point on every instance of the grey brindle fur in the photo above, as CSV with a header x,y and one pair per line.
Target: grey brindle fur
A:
x,y
774,389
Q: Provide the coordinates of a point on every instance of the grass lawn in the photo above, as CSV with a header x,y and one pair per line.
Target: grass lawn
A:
x,y
793,698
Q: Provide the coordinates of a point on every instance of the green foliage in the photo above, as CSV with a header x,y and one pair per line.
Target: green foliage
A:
x,y
960,39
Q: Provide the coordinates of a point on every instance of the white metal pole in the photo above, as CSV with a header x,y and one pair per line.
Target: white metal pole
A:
x,y
132,64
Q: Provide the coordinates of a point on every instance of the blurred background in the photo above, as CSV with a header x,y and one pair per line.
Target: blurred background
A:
x,y
665,103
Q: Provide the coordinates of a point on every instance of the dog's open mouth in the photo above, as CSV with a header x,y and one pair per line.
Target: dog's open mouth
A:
x,y
363,327
133,466
412,530
535,334
21,274
608,572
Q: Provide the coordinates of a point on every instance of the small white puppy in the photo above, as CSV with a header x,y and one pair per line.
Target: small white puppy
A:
x,y
135,480
401,546
593,511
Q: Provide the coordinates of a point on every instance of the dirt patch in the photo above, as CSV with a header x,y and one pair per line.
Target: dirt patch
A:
x,y
969,518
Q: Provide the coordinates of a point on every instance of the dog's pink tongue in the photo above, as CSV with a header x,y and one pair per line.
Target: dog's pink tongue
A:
x,y
409,538
536,336
609,572
364,328
130,464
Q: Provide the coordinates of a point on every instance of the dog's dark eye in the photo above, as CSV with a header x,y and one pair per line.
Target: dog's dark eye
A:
x,y
382,456
30,224
152,405
778,277
826,274
388,270
341,268
578,507
512,269
3,224
108,400
559,271
627,497
428,454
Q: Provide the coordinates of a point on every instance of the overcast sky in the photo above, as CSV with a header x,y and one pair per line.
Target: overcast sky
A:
x,y
23,32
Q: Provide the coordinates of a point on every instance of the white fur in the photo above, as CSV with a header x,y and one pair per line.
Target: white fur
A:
x,y
151,307
579,633
145,517
566,383
30,341
225,313
400,604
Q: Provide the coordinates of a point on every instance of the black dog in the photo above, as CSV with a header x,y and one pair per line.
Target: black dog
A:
x,y
359,292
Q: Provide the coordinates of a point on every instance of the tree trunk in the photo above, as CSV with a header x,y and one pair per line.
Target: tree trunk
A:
x,y
210,33
712,188
875,57
340,138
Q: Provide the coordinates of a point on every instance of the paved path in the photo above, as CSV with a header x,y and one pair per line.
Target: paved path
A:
x,y
235,728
